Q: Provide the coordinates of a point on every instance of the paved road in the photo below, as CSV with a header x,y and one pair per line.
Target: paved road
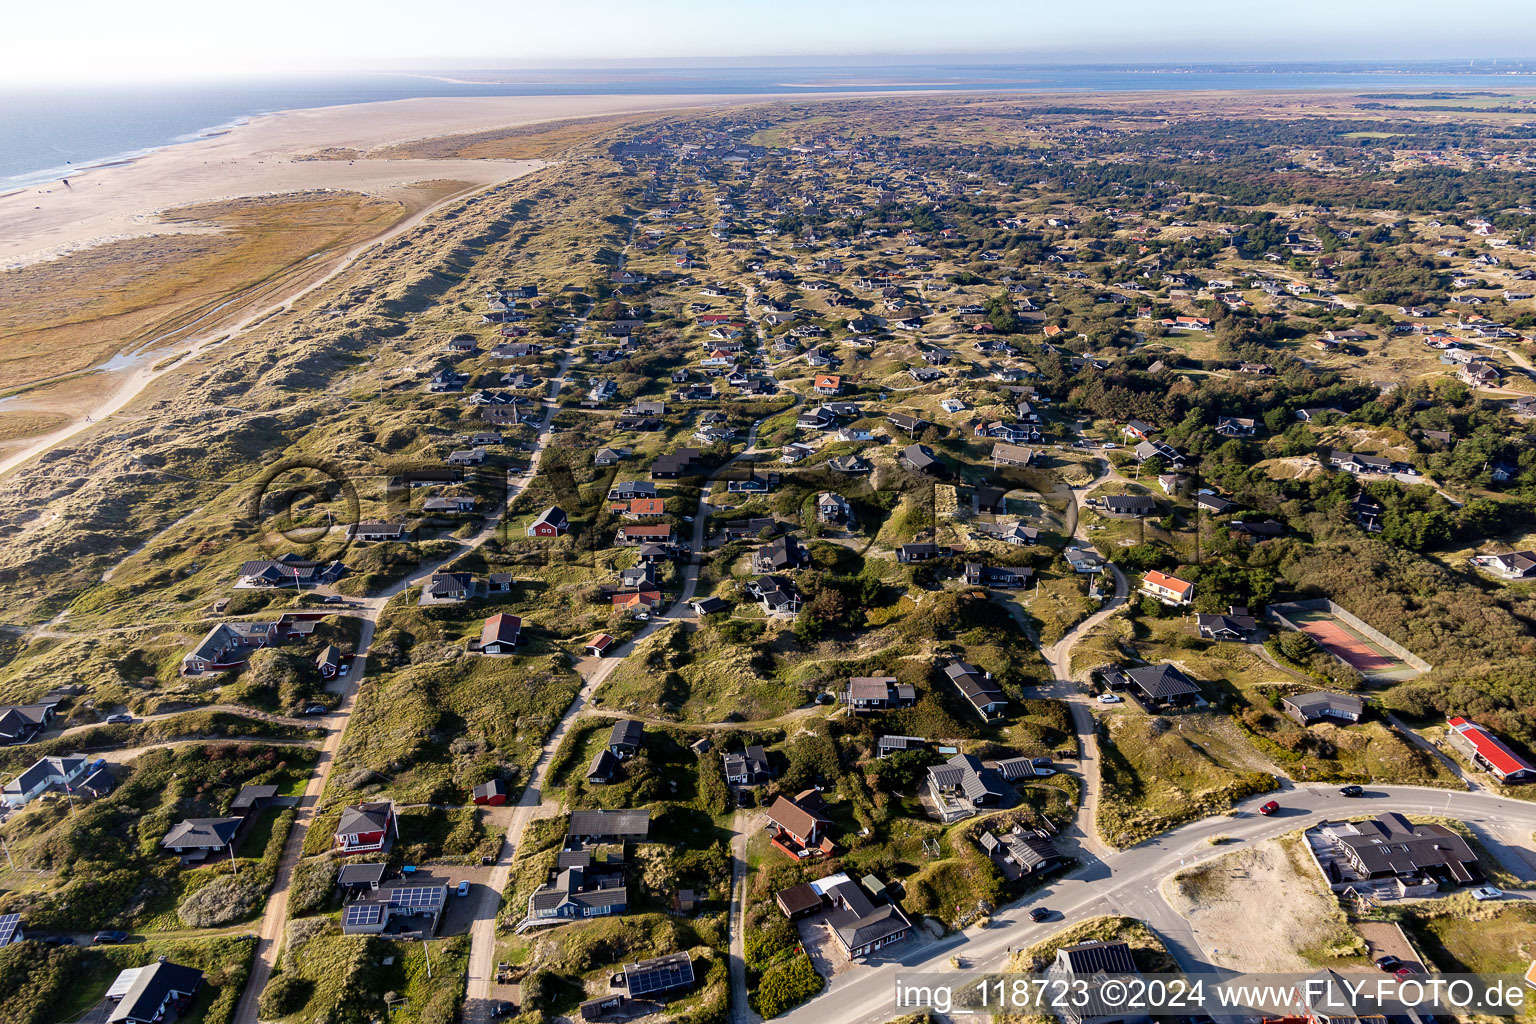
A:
x,y
1128,882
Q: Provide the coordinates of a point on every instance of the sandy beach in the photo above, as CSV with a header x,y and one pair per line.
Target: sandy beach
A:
x,y
260,157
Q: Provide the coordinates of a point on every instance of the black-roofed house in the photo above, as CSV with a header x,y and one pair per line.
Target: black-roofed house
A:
x,y
748,768
920,552
859,924
626,737
659,978
777,555
252,799
776,594
328,661
577,890
1236,625
153,993
1084,961
1322,706
709,606
449,588
1128,506
978,574
1021,853
606,766
42,775
978,687
20,722
1391,847
1162,685
194,839
552,522
919,458
357,879
610,826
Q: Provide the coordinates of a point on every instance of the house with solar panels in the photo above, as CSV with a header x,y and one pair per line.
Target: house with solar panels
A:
x,y
409,911
10,929
660,977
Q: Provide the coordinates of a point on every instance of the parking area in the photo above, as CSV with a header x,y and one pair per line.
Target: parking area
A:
x,y
459,914
1383,938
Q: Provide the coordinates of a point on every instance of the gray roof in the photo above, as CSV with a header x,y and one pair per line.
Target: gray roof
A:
x,y
627,732
858,921
1161,681
1321,701
610,823
201,833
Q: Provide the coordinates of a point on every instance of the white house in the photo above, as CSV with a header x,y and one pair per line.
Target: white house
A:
x,y
43,775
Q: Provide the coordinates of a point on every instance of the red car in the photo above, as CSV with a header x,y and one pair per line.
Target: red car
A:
x,y
1269,808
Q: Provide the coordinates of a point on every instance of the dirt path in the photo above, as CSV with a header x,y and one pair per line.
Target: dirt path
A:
x,y
1064,686
269,938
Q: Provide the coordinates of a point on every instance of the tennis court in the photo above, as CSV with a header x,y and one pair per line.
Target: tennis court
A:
x,y
1339,639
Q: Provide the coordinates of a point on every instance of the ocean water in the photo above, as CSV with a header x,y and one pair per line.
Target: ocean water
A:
x,y
47,133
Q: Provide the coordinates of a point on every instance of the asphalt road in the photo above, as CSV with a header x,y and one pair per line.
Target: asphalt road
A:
x,y
1128,882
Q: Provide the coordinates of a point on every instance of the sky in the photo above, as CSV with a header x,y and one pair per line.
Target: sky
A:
x,y
153,40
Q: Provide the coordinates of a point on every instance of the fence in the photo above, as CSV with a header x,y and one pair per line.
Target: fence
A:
x,y
1322,604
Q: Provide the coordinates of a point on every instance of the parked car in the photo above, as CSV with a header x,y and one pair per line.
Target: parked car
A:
x,y
1039,914
1353,791
1388,963
825,698
333,599
502,1009
1269,808
110,937
1110,698
464,888
316,709
1487,892
345,666
58,940
1405,970
121,716
1041,762
744,798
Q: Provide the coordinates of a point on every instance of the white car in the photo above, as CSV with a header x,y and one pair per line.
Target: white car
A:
x,y
1487,892
1110,698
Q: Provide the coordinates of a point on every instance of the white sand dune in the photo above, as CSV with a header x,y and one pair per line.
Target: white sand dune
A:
x,y
258,158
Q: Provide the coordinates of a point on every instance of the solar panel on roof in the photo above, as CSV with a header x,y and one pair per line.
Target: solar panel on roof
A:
x,y
417,897
658,975
364,914
8,925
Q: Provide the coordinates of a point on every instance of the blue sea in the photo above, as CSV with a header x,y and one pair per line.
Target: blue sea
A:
x,y
47,133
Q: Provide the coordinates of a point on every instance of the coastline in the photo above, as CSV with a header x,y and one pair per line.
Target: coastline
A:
x,y
272,154
121,197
